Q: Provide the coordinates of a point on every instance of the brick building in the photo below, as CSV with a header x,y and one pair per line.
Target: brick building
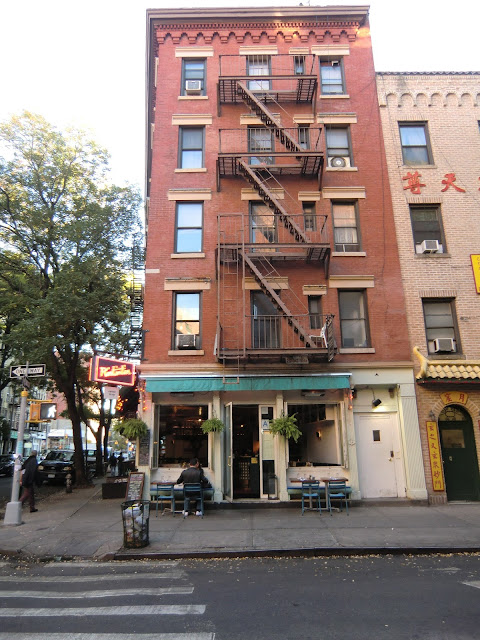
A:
x,y
272,275
431,131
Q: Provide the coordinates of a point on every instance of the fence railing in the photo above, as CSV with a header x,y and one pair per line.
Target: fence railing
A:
x,y
256,65
264,141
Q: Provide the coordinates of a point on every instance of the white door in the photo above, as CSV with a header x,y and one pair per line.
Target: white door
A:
x,y
380,467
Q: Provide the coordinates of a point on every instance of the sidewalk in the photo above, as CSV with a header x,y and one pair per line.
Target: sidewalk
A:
x,y
83,525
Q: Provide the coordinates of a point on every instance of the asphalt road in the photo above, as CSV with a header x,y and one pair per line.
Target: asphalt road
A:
x,y
5,487
360,598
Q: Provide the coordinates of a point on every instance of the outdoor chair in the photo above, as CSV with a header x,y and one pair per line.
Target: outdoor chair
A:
x,y
193,492
337,490
161,493
310,493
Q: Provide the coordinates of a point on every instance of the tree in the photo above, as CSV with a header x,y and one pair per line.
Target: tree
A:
x,y
65,244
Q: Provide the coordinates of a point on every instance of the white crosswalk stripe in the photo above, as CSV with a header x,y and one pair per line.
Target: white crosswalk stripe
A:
x,y
142,610
105,593
107,636
98,578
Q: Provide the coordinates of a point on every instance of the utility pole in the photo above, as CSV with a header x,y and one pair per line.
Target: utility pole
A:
x,y
13,513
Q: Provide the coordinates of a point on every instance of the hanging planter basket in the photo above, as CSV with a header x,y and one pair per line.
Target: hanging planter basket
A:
x,y
212,425
285,426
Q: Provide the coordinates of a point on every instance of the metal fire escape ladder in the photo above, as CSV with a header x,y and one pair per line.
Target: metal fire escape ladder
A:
x,y
268,118
271,201
270,292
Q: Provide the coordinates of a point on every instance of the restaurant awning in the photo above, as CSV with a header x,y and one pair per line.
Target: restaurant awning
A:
x,y
248,383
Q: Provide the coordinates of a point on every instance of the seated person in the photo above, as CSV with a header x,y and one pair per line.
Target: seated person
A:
x,y
193,474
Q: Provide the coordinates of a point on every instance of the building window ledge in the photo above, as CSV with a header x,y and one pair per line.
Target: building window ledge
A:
x,y
187,255
357,350
187,352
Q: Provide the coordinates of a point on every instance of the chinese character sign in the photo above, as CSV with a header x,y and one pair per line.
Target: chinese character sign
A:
x,y
435,456
413,182
475,258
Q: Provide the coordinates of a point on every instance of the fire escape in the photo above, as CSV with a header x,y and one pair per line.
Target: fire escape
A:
x,y
135,293
280,328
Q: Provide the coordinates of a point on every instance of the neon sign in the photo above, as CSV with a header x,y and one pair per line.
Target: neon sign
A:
x,y
112,371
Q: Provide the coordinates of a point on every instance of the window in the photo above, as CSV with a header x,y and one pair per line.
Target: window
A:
x,y
320,439
345,226
309,216
186,329
189,227
299,65
191,147
331,76
178,434
338,146
260,139
259,65
315,311
440,326
265,322
193,77
415,143
304,137
263,228
427,229
353,318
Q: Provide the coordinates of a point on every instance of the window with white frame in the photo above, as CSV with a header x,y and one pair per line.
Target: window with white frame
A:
x,y
319,444
259,65
186,323
178,435
339,153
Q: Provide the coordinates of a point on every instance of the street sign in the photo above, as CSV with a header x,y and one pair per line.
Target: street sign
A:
x,y
34,370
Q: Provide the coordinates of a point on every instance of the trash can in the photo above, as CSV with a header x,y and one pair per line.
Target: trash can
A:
x,y
135,517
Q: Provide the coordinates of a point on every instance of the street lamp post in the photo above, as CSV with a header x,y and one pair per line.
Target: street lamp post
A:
x,y
13,513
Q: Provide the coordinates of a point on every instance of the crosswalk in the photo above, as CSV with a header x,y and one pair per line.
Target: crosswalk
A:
x,y
100,601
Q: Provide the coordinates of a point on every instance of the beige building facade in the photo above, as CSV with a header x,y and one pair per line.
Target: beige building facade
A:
x,y
431,129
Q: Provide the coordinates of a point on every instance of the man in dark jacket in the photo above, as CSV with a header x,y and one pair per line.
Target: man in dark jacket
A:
x,y
29,478
193,474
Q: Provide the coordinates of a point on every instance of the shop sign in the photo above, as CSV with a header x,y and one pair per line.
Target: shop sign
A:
x,y
112,371
435,457
454,397
475,258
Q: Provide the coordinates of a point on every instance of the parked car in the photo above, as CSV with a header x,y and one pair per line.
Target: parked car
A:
x,y
7,464
56,465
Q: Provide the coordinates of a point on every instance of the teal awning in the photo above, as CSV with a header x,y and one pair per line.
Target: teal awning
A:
x,y
250,383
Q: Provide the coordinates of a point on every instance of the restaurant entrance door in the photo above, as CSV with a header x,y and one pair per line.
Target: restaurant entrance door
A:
x,y
245,451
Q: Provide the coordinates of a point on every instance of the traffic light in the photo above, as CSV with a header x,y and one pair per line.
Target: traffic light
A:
x,y
42,411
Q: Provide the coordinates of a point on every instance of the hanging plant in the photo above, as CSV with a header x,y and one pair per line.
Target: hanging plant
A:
x,y
214,425
285,426
132,428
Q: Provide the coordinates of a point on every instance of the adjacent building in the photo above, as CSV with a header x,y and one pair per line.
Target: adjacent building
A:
x,y
273,282
432,139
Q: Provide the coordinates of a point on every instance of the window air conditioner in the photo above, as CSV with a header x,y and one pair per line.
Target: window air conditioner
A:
x,y
430,246
443,344
193,86
185,341
338,162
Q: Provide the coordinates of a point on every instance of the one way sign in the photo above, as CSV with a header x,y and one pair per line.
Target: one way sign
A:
x,y
34,370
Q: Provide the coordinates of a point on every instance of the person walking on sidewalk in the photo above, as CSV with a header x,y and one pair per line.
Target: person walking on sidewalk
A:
x,y
29,479
112,461
191,475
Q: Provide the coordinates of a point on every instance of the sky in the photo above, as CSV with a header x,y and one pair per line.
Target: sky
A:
x,y
82,63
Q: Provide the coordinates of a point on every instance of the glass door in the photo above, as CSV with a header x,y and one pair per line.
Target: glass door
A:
x,y
228,467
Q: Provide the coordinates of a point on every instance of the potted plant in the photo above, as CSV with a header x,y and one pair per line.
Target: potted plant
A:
x,y
132,428
212,425
286,426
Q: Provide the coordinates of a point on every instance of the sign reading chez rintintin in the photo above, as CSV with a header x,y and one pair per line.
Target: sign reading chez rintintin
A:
x,y
112,371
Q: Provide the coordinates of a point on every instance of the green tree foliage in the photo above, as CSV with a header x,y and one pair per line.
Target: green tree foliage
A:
x,y
65,244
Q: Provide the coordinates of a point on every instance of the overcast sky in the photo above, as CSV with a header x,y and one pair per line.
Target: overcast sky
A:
x,y
83,63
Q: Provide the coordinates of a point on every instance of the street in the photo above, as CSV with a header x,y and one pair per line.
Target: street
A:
x,y
5,487
401,597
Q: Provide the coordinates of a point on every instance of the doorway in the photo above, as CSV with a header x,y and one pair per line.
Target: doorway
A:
x,y
380,467
459,454
245,451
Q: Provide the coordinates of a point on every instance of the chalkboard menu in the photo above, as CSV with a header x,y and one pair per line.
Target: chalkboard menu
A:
x,y
135,485
144,450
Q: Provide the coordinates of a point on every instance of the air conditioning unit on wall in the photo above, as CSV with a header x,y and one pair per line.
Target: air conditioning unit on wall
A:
x,y
430,246
338,162
193,86
444,344
186,341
